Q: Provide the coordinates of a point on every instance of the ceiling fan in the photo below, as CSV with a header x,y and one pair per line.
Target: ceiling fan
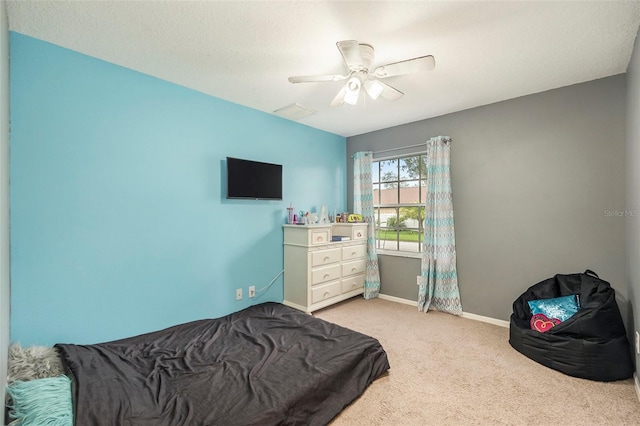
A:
x,y
358,58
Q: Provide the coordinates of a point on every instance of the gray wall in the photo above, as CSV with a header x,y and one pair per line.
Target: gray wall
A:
x,y
398,276
633,192
538,189
4,196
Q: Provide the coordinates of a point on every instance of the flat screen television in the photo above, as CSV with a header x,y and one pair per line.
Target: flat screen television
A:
x,y
253,180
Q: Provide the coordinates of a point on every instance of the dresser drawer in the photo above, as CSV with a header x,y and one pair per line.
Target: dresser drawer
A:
x,y
354,252
319,236
352,268
325,273
307,235
325,291
352,283
324,257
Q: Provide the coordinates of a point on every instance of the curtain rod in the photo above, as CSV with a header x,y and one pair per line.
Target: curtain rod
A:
x,y
423,144
397,149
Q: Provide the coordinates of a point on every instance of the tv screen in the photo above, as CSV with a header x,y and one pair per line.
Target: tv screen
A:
x,y
253,180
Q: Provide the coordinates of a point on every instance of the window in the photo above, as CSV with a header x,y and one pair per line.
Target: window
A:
x,y
399,193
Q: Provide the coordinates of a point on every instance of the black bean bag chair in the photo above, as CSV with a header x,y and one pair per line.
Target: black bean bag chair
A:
x,y
592,344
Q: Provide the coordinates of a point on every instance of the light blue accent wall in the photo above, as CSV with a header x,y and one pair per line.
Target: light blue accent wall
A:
x,y
119,221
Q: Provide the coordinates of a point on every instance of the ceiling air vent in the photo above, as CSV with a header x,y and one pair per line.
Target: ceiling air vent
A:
x,y
294,112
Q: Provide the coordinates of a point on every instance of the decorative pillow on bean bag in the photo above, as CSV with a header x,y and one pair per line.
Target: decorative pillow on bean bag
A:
x,y
561,308
541,323
42,402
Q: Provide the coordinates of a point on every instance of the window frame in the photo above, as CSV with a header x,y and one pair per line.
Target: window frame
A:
x,y
398,182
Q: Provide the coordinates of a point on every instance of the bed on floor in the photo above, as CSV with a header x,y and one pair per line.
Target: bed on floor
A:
x,y
265,365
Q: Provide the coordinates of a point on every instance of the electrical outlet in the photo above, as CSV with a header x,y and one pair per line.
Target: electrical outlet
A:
x,y
238,294
637,343
252,291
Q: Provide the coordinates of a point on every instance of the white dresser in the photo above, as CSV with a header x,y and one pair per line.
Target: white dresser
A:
x,y
319,272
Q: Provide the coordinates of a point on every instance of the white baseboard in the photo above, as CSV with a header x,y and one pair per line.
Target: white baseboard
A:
x,y
474,317
494,321
398,300
637,385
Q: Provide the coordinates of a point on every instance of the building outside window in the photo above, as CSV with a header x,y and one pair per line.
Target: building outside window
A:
x,y
399,191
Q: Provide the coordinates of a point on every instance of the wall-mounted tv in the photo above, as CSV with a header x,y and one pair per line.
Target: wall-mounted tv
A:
x,y
253,180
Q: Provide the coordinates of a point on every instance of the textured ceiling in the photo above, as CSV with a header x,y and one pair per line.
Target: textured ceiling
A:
x,y
244,51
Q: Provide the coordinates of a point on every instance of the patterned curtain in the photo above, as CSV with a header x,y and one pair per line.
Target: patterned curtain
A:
x,y
438,288
363,204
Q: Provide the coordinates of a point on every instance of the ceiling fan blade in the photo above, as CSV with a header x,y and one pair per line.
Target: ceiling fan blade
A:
x,y
316,78
339,99
350,50
423,63
389,93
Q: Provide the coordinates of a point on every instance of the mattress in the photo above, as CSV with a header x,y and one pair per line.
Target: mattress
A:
x,y
265,365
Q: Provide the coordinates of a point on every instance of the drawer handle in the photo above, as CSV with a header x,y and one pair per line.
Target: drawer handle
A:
x,y
354,269
319,239
326,275
353,253
359,234
326,293
354,285
326,258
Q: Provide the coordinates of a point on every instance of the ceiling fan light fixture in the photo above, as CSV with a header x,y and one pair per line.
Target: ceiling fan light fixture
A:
x,y
351,98
373,88
353,91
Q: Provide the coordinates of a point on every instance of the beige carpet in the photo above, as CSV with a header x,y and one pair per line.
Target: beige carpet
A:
x,y
447,370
